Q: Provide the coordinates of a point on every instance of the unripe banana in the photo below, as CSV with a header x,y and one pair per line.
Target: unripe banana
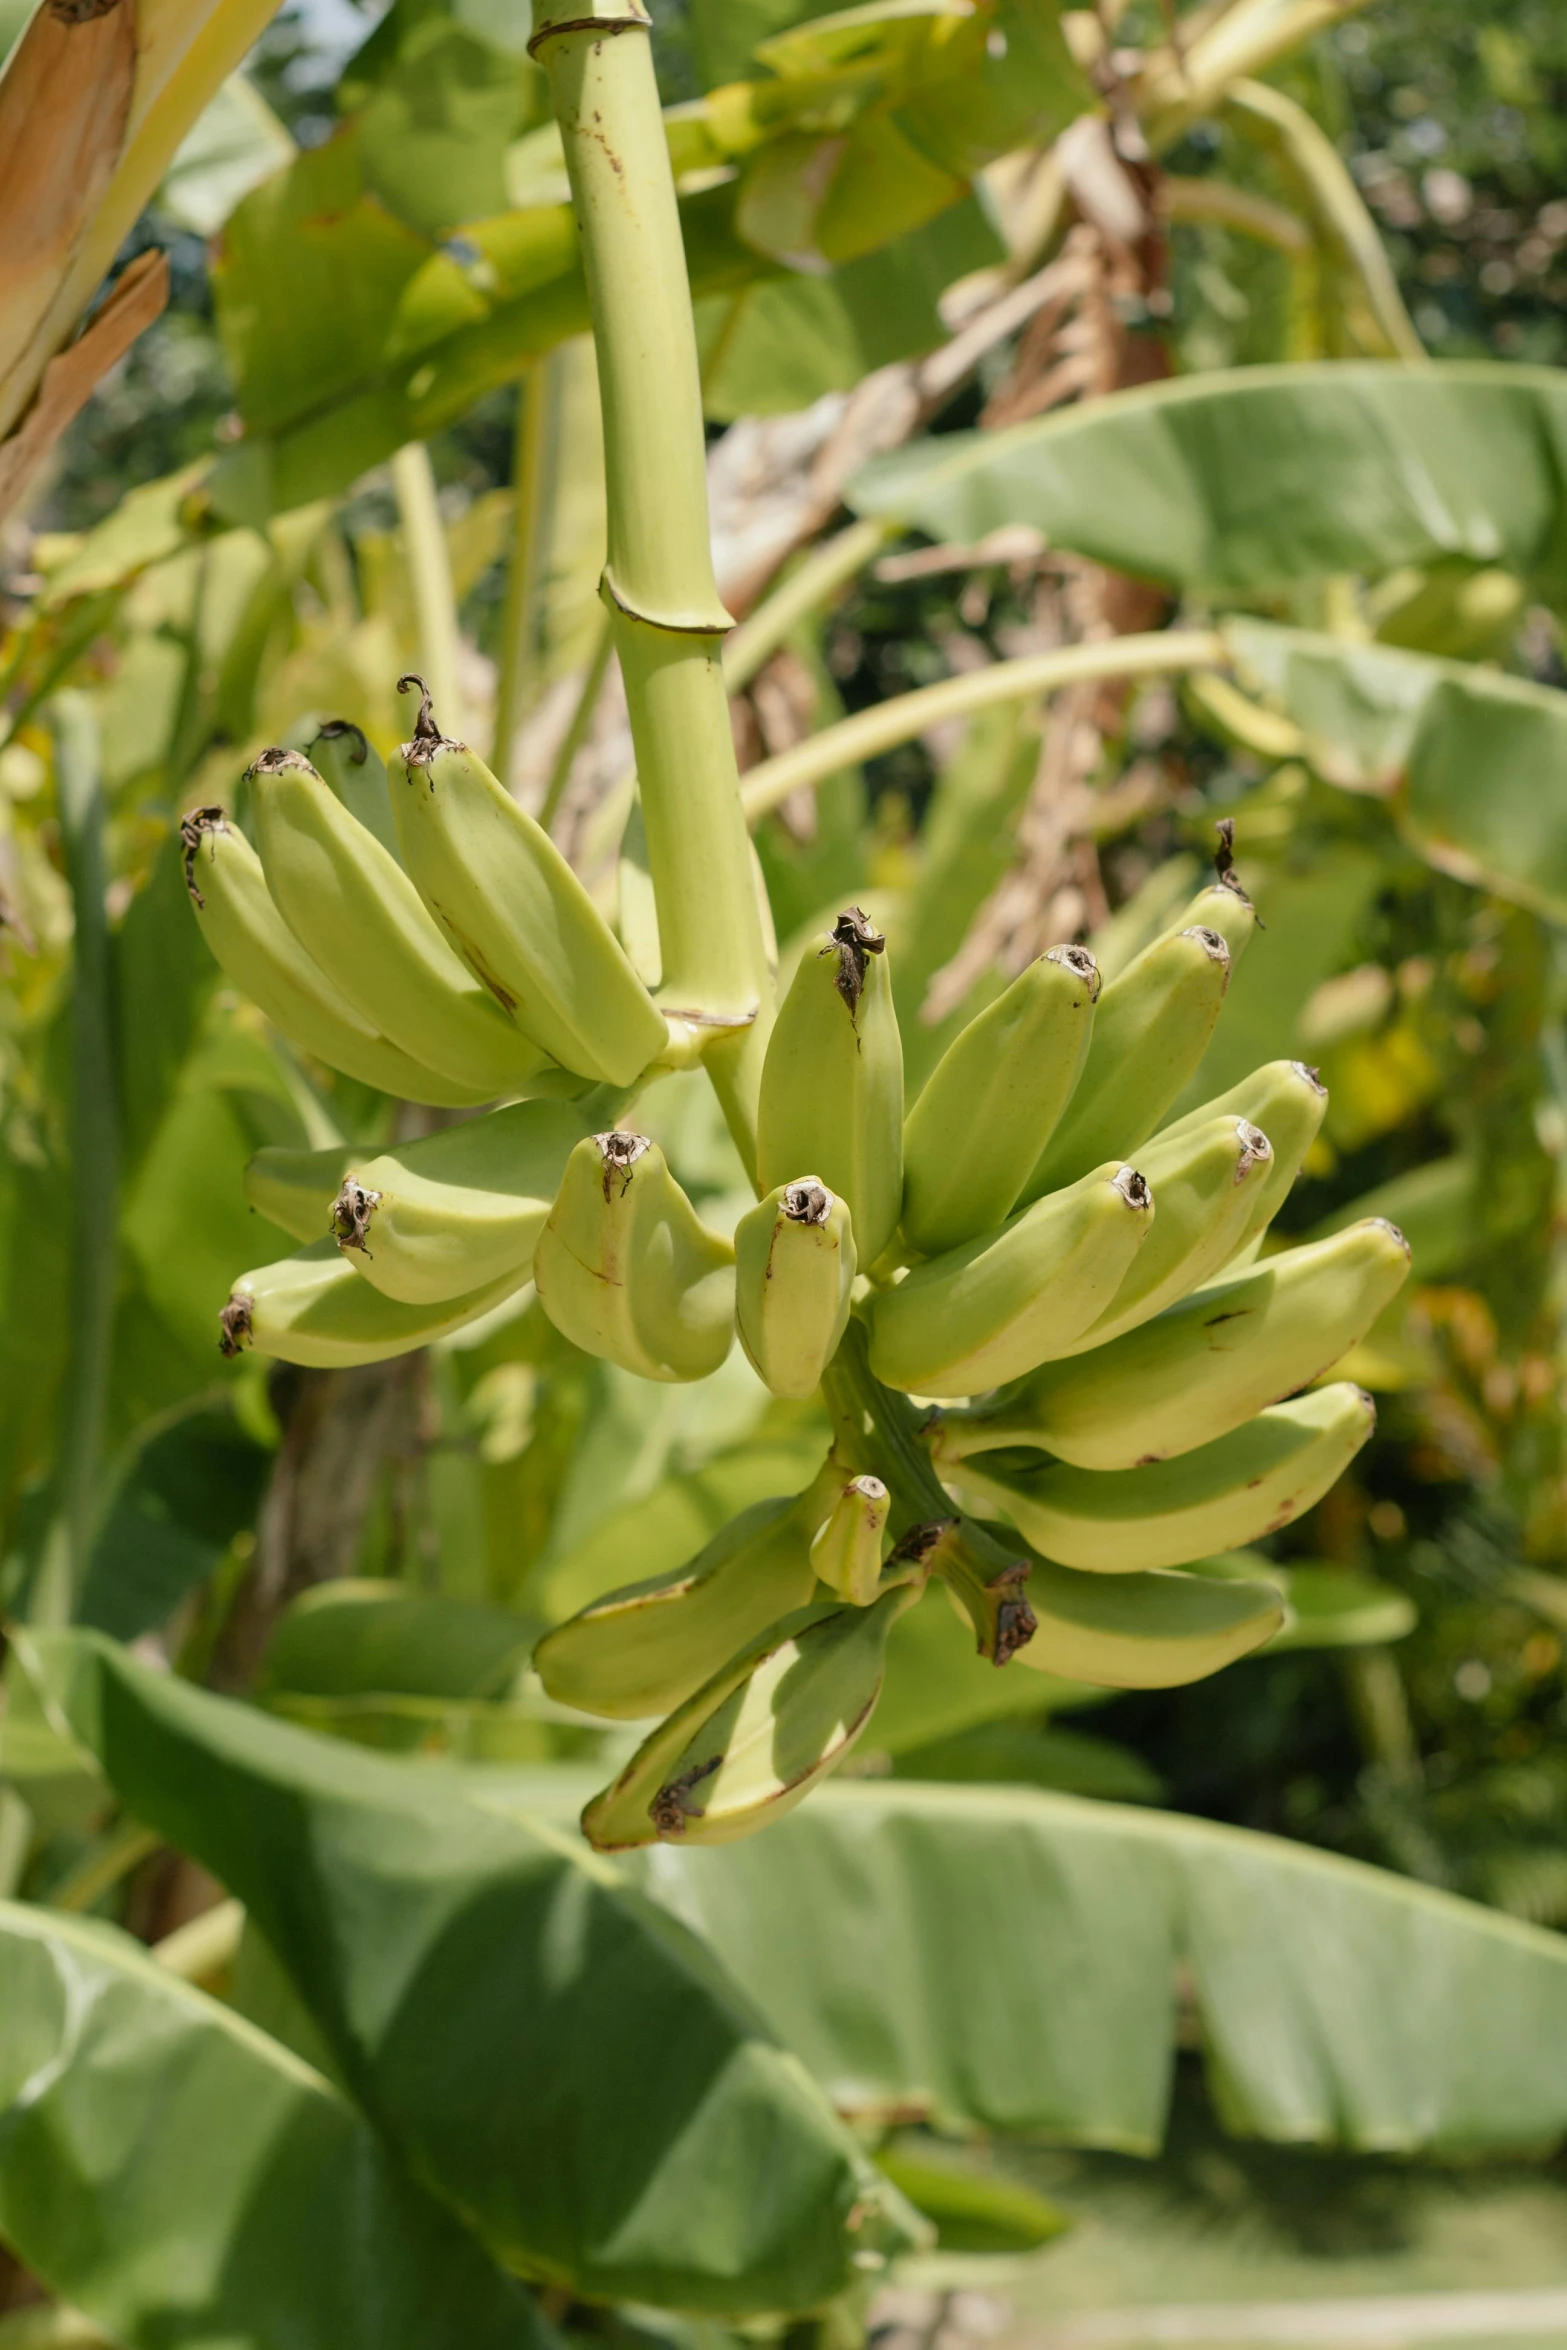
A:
x,y
1223,904
846,1551
1155,1631
993,1101
1224,1496
295,1189
355,910
642,1650
1205,1183
832,1082
1204,1365
257,950
438,1217
757,1738
341,755
1288,1101
985,1313
313,1309
516,913
794,1270
627,1270
1151,1029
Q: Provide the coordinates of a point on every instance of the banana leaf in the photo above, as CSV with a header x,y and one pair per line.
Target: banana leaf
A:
x,y
1261,479
1470,760
177,2176
1010,1959
575,2075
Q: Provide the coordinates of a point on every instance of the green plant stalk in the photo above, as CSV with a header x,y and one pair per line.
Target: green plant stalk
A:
x,y
519,678
882,728
429,576
576,733
658,581
95,1159
809,588
1288,132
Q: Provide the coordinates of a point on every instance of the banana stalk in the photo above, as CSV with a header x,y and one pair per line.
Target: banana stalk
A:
x,y
658,582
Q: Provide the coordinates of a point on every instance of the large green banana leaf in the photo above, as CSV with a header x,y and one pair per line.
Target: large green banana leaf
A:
x,y
1253,481
181,2178
1017,1960
575,2074
1473,762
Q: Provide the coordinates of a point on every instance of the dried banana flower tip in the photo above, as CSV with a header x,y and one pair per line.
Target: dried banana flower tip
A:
x,y
807,1202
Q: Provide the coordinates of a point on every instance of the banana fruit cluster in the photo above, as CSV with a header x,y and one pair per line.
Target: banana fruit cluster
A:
x,y
1058,1363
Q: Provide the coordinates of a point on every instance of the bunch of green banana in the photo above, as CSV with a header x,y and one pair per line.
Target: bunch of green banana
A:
x,y
1025,1247
626,1269
1201,1368
515,912
753,1741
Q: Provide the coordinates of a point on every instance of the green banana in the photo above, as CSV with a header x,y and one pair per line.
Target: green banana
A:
x,y
846,1549
752,1743
1151,1029
1153,1631
987,1312
1204,1182
644,1649
794,1270
354,908
994,1099
341,755
1203,1366
1224,1496
256,949
626,1269
516,913
1222,904
1288,1101
313,1309
832,1082
438,1217
294,1189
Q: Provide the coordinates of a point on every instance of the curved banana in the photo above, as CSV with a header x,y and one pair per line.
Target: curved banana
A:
x,y
627,1270
751,1744
1203,1366
1288,1101
642,1650
995,1308
795,1264
832,1082
1153,1631
1224,1496
1151,1029
516,913
255,948
313,1309
295,1189
435,1218
994,1099
846,1549
352,906
1205,1183
341,755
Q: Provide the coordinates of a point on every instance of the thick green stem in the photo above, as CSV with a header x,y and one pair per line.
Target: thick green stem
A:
x,y
429,576
95,1161
518,684
658,582
876,1431
816,582
882,728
